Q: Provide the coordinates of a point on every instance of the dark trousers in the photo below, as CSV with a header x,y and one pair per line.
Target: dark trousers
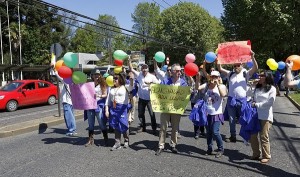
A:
x,y
142,104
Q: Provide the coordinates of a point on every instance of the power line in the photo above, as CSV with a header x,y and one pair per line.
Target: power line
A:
x,y
106,24
159,4
166,3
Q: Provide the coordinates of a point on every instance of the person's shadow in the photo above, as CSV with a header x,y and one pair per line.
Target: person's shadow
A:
x,y
235,157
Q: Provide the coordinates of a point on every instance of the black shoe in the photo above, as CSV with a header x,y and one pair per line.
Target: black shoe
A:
x,y
174,150
219,154
141,129
231,139
202,134
211,153
158,151
154,132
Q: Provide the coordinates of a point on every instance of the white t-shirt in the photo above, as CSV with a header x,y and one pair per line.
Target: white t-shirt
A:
x,y
214,100
264,103
238,84
98,92
143,89
119,94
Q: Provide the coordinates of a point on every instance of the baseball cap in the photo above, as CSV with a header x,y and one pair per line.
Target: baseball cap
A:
x,y
215,73
97,71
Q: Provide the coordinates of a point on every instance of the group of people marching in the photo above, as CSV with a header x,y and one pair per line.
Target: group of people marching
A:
x,y
116,106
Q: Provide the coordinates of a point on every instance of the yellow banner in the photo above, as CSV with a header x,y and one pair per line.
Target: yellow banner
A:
x,y
169,99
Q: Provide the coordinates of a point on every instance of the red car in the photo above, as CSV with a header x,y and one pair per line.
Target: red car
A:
x,y
27,92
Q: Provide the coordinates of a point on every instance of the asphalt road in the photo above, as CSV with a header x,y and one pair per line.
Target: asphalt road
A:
x,y
50,153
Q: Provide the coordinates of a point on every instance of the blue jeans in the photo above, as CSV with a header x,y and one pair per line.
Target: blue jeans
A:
x,y
233,113
213,131
69,117
91,115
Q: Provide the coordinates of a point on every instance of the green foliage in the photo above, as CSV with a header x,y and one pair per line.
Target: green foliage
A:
x,y
272,26
190,25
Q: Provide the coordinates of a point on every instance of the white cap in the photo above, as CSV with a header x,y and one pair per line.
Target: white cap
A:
x,y
215,73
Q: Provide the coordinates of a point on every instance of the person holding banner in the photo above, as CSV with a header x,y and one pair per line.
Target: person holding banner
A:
x,y
66,101
144,79
237,93
101,94
214,92
174,80
116,106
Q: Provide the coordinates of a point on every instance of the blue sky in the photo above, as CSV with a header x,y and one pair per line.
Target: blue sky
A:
x,y
122,9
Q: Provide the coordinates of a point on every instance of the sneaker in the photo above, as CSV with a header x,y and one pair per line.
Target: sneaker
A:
x,y
196,137
231,139
126,144
115,147
219,154
71,134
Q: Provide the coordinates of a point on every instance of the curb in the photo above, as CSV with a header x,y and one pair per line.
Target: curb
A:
x,y
33,125
294,102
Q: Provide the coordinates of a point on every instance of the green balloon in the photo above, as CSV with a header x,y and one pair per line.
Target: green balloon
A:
x,y
70,59
159,57
105,75
79,77
120,55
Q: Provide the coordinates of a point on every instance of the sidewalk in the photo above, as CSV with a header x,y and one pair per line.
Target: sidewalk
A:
x,y
32,125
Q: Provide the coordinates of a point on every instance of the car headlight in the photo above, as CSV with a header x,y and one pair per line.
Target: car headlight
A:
x,y
2,97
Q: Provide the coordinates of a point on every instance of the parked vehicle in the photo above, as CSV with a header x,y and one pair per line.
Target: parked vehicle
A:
x,y
27,92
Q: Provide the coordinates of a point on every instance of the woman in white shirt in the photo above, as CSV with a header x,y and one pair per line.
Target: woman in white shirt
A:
x,y
214,93
116,110
264,98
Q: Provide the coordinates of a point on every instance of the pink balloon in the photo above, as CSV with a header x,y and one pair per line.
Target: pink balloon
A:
x,y
190,58
191,69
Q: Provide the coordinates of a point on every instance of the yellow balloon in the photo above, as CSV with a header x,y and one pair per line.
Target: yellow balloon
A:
x,y
117,69
273,66
269,61
110,81
216,51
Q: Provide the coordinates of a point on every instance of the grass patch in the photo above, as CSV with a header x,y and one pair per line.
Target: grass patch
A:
x,y
295,97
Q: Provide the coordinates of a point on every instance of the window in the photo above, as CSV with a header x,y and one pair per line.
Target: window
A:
x,y
43,85
30,86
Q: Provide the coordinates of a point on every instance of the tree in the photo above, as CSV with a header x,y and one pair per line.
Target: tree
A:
x,y
272,26
189,25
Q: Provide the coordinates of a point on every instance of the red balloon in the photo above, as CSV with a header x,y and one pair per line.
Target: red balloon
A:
x,y
65,72
119,62
191,69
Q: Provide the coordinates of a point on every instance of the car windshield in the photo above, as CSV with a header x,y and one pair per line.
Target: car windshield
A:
x,y
11,86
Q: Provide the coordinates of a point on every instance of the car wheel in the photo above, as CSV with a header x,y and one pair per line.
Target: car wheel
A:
x,y
51,100
11,106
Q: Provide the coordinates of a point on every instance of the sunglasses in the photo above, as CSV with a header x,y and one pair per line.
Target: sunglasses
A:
x,y
168,69
116,78
236,65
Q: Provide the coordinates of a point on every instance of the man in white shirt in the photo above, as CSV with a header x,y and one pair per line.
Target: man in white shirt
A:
x,y
237,98
144,79
161,75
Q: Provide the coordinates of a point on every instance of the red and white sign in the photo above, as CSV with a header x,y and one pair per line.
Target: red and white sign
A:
x,y
234,52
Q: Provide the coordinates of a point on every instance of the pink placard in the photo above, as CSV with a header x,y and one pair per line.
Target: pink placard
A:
x,y
234,52
83,96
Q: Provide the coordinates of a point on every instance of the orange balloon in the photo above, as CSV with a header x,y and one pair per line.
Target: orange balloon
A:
x,y
296,61
59,64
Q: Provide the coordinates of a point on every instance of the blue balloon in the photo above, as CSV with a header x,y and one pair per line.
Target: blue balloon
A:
x,y
210,57
281,65
249,64
164,68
